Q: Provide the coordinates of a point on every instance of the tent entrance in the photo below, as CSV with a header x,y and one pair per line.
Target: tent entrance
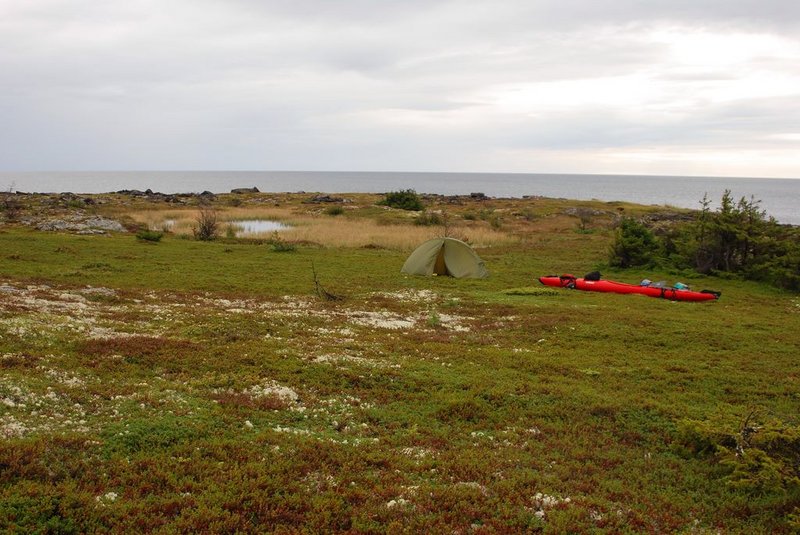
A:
x,y
440,267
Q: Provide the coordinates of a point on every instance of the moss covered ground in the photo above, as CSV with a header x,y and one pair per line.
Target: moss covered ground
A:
x,y
186,386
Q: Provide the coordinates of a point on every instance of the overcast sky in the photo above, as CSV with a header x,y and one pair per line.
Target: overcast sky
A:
x,y
692,87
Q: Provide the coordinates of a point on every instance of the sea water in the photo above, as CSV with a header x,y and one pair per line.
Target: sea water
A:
x,y
780,198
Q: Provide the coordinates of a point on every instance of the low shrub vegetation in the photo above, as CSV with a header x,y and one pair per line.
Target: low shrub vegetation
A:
x,y
407,199
428,219
217,387
334,210
149,235
279,245
738,238
206,226
760,457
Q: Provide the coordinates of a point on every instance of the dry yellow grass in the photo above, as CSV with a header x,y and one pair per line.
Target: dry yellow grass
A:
x,y
325,230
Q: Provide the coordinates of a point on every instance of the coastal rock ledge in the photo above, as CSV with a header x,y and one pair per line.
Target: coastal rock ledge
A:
x,y
245,190
80,225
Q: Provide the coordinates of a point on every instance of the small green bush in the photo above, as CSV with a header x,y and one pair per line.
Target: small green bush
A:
x,y
404,199
759,457
528,214
283,247
429,219
147,435
490,216
334,210
279,245
153,236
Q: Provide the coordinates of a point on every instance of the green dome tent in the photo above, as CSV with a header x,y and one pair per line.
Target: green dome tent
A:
x,y
445,256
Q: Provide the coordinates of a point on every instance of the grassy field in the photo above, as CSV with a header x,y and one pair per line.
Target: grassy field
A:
x,y
186,386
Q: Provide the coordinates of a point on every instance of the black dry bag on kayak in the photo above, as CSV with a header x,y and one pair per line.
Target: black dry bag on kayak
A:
x,y
593,276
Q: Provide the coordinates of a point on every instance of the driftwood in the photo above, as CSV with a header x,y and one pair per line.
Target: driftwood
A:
x,y
321,292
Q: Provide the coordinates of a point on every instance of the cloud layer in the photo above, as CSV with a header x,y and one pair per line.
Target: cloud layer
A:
x,y
595,86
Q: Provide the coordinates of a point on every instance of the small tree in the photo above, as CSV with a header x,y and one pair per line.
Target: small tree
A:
x,y
10,204
735,238
634,245
207,224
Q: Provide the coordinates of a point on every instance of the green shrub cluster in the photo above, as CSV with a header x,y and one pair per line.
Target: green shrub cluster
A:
x,y
407,199
279,245
759,459
334,210
737,238
634,245
149,235
491,217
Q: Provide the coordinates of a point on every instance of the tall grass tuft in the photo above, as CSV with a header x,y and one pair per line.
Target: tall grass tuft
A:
x,y
207,226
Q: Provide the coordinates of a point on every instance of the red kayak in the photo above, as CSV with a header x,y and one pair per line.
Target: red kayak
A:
x,y
673,294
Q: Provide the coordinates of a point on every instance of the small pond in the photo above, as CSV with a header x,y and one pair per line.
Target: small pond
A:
x,y
256,226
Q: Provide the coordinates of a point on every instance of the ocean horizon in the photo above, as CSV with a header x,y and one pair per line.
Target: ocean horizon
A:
x,y
779,196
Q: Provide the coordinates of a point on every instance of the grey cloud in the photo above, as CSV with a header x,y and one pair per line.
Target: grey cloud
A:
x,y
295,83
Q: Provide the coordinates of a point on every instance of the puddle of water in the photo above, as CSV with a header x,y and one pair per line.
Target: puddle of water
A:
x,y
242,227
256,226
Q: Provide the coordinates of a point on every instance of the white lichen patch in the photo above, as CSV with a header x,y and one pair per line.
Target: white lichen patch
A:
x,y
381,320
348,359
106,333
397,502
10,427
107,498
344,334
453,322
15,396
411,296
291,306
98,290
70,380
291,430
417,453
31,411
543,502
42,313
271,388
